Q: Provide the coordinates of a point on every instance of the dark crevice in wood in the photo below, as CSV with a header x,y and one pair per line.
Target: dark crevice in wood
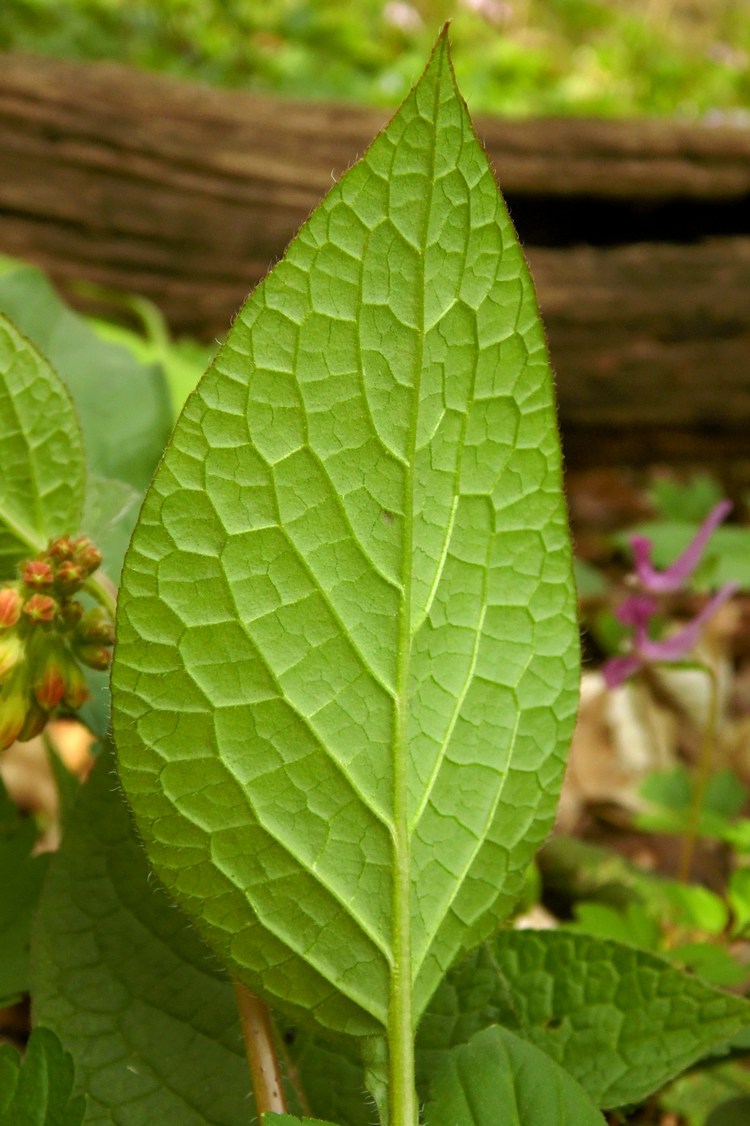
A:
x,y
554,221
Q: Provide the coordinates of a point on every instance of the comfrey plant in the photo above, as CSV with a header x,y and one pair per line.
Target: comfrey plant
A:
x,y
344,683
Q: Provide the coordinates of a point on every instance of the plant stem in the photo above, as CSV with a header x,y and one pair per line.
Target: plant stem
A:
x,y
705,762
104,591
261,1051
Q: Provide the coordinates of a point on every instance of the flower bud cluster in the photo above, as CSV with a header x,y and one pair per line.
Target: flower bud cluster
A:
x,y
46,635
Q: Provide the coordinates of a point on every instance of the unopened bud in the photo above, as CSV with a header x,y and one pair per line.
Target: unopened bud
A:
x,y
13,707
34,723
41,608
11,654
76,692
96,625
95,656
37,573
71,612
87,555
61,549
11,604
49,679
70,575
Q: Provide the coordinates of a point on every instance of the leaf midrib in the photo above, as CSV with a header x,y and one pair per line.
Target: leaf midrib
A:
x,y
400,1018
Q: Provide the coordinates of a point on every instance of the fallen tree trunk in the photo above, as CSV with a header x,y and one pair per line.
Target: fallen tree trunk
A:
x,y
637,232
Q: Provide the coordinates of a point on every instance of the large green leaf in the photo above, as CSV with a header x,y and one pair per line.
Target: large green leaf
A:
x,y
498,1078
124,405
621,1021
43,471
131,991
38,1090
347,652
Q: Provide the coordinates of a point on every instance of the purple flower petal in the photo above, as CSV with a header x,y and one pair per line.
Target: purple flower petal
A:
x,y
677,646
636,610
674,577
617,669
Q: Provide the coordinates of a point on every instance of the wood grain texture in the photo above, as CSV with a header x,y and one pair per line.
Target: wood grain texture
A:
x,y
187,195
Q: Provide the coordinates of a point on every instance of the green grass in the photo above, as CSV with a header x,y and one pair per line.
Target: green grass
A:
x,y
660,57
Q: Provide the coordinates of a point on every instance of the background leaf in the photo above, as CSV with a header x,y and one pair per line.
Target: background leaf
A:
x,y
137,998
124,405
38,1090
21,877
133,994
499,1077
347,656
290,1120
43,476
621,1021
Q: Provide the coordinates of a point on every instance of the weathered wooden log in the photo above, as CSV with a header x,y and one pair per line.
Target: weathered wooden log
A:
x,y
637,232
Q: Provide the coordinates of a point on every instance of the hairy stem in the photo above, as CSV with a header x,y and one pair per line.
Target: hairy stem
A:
x,y
261,1051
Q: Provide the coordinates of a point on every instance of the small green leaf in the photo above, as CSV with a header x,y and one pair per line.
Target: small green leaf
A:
x,y
713,963
133,994
738,895
499,1078
332,1076
620,1020
43,471
124,406
38,1090
21,877
631,924
347,659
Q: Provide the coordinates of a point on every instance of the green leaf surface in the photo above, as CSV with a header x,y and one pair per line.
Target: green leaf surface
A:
x,y
499,1078
289,1120
347,658
43,471
124,405
621,1021
38,1091
21,877
332,1076
128,987
109,515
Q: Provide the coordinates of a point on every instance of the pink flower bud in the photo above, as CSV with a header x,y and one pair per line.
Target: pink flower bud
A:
x,y
11,654
11,605
60,549
70,575
49,680
37,573
41,608
87,556
95,656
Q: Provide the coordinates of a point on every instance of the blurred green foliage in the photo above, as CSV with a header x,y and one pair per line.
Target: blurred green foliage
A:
x,y
665,57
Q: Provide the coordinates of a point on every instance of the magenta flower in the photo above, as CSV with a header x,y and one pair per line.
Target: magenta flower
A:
x,y
638,609
646,651
675,577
